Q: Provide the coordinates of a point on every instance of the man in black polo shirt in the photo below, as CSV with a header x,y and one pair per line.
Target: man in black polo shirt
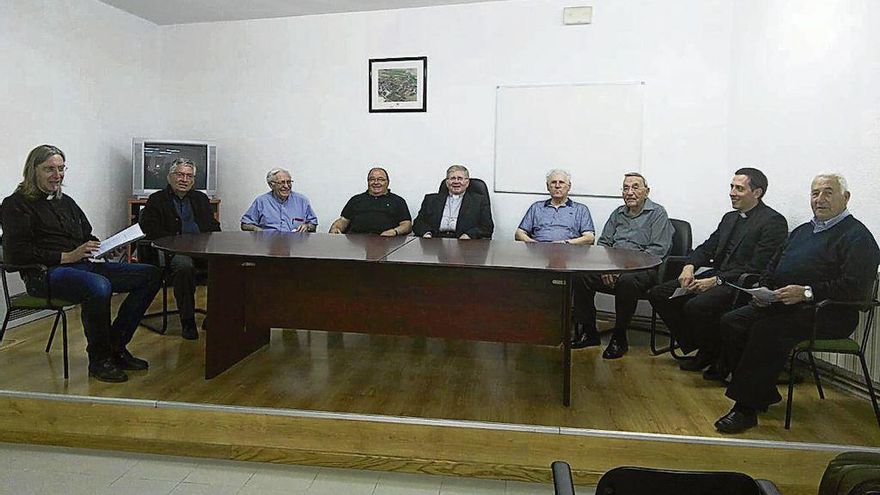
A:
x,y
375,211
833,256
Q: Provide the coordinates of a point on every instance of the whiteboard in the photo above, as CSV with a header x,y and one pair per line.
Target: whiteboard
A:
x,y
592,130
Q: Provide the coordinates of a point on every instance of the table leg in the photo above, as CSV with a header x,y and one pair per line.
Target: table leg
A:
x,y
231,304
566,342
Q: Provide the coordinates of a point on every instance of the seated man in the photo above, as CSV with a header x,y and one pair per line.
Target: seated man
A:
x,y
179,209
744,241
459,214
376,211
641,225
280,209
41,225
833,256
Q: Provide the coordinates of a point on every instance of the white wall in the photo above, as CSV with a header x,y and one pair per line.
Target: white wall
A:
x,y
82,76
294,92
806,98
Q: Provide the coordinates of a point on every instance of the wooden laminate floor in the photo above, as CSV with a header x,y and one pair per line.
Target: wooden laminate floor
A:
x,y
431,378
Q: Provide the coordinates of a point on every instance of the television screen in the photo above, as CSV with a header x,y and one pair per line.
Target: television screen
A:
x,y
159,156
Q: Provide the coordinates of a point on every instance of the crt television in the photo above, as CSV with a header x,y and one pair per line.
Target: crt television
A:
x,y
152,158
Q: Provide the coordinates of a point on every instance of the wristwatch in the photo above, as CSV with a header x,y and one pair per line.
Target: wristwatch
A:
x,y
808,293
718,281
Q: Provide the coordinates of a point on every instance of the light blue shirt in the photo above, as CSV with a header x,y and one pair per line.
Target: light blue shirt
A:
x,y
820,225
544,222
270,213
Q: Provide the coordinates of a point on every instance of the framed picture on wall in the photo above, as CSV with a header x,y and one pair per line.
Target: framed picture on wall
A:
x,y
399,84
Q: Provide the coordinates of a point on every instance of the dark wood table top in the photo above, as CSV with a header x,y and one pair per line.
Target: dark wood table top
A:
x,y
507,254
355,247
498,254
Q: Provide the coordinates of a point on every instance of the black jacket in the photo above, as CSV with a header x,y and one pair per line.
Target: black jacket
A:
x,y
39,230
474,217
764,233
159,218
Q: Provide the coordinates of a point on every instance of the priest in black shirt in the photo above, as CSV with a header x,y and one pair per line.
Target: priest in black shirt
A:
x,y
833,256
375,211
41,225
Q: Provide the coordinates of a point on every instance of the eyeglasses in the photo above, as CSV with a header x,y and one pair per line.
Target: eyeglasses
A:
x,y
184,175
633,188
456,178
377,179
54,170
282,182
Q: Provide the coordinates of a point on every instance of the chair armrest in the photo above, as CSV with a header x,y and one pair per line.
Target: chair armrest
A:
x,y
667,261
40,269
562,482
829,303
748,280
24,268
860,304
767,487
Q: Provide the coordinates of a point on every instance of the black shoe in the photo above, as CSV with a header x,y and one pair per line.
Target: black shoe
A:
x,y
585,338
616,349
715,374
189,332
106,371
125,361
698,363
736,422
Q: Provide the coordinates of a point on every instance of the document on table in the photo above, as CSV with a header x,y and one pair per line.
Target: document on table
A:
x,y
122,238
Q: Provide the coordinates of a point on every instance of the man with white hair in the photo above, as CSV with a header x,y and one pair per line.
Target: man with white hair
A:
x,y
281,208
639,224
833,256
180,209
561,220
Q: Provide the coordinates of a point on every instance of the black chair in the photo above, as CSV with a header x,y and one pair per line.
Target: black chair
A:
x,y
475,186
682,242
647,481
847,346
148,254
852,473
562,482
24,303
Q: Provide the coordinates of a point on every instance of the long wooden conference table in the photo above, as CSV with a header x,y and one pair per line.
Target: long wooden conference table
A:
x,y
486,290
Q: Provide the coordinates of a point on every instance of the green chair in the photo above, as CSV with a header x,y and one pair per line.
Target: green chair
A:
x,y
26,303
837,346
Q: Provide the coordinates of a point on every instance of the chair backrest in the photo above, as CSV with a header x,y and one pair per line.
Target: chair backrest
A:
x,y
647,481
475,186
682,242
870,311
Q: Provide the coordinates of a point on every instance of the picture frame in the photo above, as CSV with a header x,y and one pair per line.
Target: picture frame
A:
x,y
398,84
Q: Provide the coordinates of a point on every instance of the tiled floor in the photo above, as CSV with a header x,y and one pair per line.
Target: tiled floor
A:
x,y
26,470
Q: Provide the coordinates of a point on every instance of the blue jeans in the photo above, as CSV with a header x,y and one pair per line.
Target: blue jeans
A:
x,y
91,285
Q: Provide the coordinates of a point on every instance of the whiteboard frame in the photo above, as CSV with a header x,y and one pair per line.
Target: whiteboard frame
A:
x,y
499,87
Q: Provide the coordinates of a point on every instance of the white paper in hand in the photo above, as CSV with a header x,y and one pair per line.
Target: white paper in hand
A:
x,y
122,238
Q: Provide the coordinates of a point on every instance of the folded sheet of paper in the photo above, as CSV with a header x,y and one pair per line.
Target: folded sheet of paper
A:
x,y
762,294
122,238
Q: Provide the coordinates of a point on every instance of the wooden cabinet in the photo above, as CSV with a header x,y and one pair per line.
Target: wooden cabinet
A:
x,y
134,212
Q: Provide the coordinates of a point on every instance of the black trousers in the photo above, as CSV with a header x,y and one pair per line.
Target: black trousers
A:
x,y
757,342
693,319
184,271
627,290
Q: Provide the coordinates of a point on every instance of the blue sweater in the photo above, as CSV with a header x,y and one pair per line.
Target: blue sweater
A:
x,y
839,263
